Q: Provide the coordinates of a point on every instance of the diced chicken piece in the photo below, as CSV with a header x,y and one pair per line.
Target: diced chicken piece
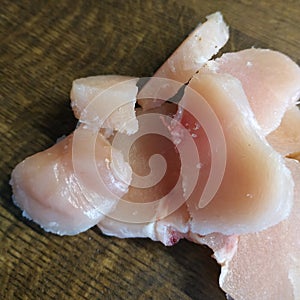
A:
x,y
204,42
68,188
106,101
271,81
246,200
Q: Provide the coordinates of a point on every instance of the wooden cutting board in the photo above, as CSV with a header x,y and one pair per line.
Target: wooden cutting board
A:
x,y
44,46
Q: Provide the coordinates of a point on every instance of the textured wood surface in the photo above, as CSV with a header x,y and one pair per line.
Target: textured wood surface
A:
x,y
44,46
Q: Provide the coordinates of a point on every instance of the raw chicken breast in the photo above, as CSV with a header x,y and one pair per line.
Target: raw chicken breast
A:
x,y
86,179
59,188
246,200
106,101
204,42
275,248
68,198
88,95
246,194
267,264
168,219
270,79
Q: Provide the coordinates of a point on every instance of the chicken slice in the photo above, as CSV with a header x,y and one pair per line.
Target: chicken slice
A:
x,y
266,264
106,101
68,197
275,248
240,278
204,42
246,200
167,221
270,79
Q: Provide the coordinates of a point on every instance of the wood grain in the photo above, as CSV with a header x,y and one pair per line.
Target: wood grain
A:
x,y
44,46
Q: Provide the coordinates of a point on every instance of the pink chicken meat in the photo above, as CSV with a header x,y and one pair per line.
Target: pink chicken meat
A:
x,y
277,248
264,74
89,102
251,199
204,42
48,190
65,200
91,180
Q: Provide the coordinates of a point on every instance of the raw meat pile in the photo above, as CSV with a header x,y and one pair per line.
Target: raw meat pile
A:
x,y
225,171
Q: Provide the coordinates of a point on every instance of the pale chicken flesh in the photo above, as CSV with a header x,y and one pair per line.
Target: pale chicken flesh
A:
x,y
246,194
277,249
49,191
270,80
205,41
251,209
97,104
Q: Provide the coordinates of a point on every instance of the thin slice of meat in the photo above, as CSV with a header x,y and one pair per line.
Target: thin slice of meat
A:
x,y
204,42
246,200
276,249
167,220
63,190
267,264
271,81
106,101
